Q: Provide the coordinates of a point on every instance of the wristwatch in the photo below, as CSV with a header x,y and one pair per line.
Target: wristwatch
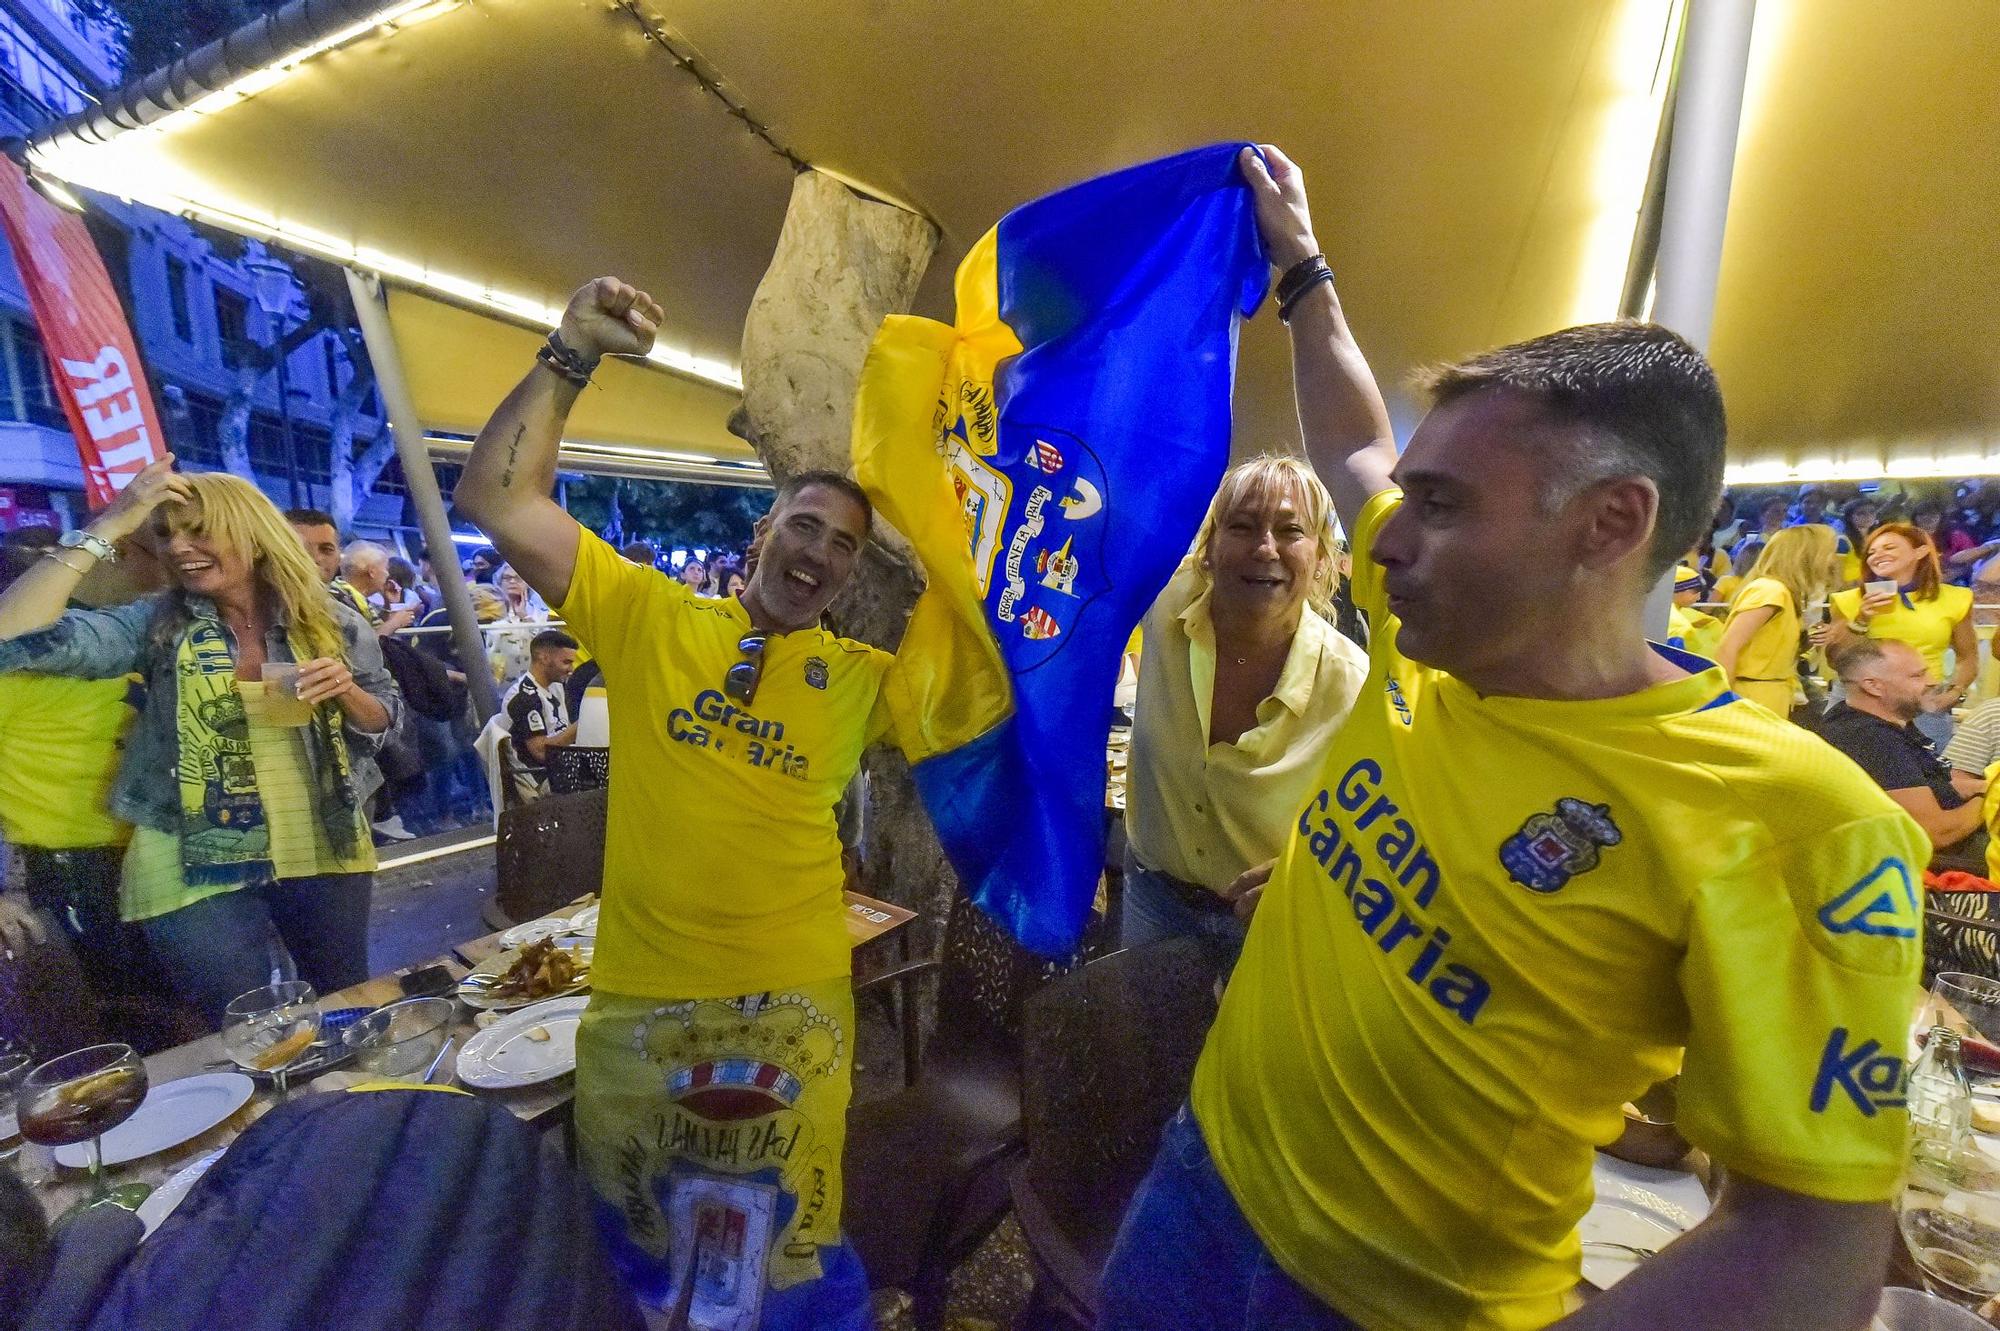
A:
x,y
90,543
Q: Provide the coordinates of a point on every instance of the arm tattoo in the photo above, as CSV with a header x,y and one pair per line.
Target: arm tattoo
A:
x,y
513,456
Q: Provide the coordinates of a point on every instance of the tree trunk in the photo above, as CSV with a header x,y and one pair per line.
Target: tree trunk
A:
x,y
232,431
351,480
843,262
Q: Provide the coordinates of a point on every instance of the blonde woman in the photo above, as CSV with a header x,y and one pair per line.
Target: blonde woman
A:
x,y
1242,685
248,823
1760,646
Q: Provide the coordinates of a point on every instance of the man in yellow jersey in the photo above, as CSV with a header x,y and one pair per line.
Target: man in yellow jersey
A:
x,y
1548,866
715,1062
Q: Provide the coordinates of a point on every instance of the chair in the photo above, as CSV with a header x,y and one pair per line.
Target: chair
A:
x,y
925,1176
1967,939
1110,1052
550,851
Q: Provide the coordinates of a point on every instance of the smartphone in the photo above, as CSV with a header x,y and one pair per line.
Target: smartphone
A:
x,y
428,982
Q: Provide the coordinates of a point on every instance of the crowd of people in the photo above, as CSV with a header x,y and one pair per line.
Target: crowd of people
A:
x,y
1473,873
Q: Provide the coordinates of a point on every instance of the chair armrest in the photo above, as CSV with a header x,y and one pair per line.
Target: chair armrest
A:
x,y
900,974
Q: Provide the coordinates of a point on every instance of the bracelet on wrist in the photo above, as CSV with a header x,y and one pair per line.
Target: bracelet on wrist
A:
x,y
1323,274
566,361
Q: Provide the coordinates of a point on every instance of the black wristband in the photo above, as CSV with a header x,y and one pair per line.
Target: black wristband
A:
x,y
1300,276
566,361
1313,279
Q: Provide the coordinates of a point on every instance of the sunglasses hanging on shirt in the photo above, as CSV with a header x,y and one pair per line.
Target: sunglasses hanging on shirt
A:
x,y
743,677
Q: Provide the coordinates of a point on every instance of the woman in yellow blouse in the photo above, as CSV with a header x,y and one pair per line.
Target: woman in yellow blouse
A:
x,y
1760,645
1922,610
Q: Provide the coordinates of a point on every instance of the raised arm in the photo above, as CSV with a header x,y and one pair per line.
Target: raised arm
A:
x,y
506,489
1341,413
39,596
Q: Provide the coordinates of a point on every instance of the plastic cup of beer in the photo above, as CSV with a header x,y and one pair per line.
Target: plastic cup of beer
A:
x,y
282,705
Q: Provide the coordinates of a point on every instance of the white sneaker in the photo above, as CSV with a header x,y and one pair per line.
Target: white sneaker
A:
x,y
392,827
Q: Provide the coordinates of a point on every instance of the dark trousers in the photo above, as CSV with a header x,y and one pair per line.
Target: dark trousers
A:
x,y
228,945
79,890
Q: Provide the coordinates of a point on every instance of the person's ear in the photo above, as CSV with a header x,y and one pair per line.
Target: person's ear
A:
x,y
1614,520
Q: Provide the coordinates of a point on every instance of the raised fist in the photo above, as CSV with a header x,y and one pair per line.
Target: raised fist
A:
x,y
610,318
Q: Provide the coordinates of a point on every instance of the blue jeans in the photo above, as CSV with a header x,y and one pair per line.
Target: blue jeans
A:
x,y
223,946
1155,910
1186,1258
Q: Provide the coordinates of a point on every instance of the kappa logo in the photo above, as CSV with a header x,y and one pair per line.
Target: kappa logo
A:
x,y
1552,848
1883,905
1872,1080
816,672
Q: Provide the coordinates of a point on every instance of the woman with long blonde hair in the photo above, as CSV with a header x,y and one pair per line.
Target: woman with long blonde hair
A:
x,y
1760,645
1243,682
247,776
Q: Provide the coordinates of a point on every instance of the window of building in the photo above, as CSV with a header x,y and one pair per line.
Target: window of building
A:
x,y
177,298
38,393
232,317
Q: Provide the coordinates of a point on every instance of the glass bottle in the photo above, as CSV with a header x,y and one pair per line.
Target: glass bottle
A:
x,y
1939,1096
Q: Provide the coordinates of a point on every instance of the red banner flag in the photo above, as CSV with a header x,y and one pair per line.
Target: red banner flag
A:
x,y
92,355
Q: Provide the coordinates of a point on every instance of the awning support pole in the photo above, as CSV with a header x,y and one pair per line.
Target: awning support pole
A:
x,y
1708,110
421,478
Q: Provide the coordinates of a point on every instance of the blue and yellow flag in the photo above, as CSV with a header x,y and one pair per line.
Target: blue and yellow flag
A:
x,y
1050,455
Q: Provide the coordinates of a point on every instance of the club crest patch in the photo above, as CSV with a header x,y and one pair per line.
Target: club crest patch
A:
x,y
816,672
1552,848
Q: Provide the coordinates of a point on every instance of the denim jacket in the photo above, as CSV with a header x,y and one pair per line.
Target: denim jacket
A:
x,y
104,644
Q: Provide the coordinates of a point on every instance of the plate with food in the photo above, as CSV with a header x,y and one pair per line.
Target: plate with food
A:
x,y
545,968
524,1048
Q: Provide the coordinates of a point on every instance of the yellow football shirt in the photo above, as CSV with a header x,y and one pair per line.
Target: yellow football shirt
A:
x,y
61,741
1767,669
1496,920
1925,625
721,862
1693,630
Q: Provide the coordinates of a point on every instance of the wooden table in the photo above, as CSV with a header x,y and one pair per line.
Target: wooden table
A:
x,y
543,1106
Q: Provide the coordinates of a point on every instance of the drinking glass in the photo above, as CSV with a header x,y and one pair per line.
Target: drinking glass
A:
x,y
78,1098
15,1064
271,1027
1949,1214
1970,1005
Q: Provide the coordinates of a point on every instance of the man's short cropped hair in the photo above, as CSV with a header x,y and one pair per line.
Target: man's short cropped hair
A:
x,y
1859,659
310,517
551,640
1643,402
831,480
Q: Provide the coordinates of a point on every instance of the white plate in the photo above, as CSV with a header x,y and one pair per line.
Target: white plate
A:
x,y
169,1115
161,1201
1639,1207
477,996
504,1056
585,920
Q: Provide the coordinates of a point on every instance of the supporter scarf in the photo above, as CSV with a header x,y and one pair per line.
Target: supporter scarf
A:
x,y
224,835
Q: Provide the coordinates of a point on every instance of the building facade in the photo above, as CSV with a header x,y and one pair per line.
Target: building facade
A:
x,y
192,312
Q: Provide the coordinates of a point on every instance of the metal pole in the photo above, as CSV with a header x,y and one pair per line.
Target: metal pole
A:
x,y
418,474
1708,109
1714,60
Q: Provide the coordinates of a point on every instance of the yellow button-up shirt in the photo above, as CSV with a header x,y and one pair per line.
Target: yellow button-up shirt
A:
x,y
1204,813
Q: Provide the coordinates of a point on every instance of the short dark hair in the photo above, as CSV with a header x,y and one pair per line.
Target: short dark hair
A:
x,y
641,553
400,570
1645,401
21,549
551,640
310,517
829,480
